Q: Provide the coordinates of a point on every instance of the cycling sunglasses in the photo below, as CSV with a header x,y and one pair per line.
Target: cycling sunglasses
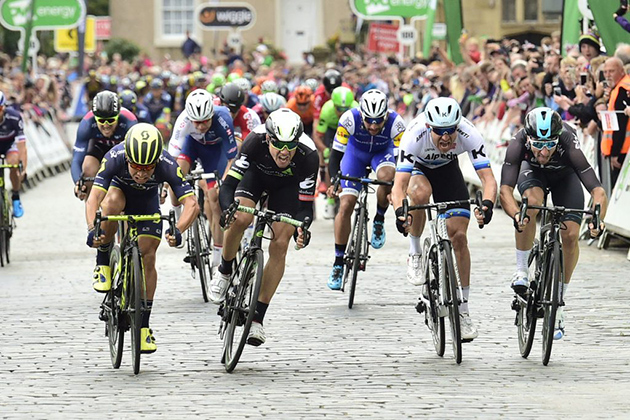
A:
x,y
107,121
540,144
342,109
143,168
374,120
202,121
440,131
279,145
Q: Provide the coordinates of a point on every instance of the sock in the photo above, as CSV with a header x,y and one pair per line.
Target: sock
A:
x,y
340,250
178,211
563,290
15,195
380,213
226,266
261,309
415,248
463,307
521,260
146,314
102,254
216,254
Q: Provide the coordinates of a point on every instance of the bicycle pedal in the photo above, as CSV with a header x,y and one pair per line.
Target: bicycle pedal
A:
x,y
515,305
421,307
187,259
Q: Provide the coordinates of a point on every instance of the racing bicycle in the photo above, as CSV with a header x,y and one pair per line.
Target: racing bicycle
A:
x,y
7,224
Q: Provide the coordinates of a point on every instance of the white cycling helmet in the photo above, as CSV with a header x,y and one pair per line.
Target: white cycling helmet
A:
x,y
284,125
199,105
269,86
244,84
272,101
443,112
373,105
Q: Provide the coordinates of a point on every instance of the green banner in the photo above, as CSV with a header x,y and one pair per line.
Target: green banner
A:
x,y
571,29
428,29
47,14
454,25
391,9
610,31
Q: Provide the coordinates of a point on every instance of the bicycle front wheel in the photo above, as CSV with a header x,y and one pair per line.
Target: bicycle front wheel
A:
x,y
449,284
360,226
240,306
136,279
431,313
527,309
202,256
3,227
115,326
551,296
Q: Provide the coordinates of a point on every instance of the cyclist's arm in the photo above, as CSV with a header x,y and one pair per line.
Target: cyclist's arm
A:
x,y
399,190
307,187
189,213
488,184
92,205
340,142
509,173
226,192
80,150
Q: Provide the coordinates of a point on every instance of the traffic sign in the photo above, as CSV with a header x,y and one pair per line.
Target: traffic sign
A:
x,y
407,35
67,40
47,14
33,45
235,40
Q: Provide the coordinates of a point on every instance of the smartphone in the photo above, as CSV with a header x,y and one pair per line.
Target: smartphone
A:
x,y
601,76
556,89
583,78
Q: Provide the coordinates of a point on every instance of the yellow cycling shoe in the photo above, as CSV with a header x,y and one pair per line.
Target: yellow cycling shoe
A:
x,y
102,280
147,341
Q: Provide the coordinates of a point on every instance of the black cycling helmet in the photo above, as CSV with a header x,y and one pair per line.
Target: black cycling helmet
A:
x,y
106,104
332,79
128,99
543,124
232,96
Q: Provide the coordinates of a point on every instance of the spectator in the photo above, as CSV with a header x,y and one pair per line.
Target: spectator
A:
x,y
589,45
190,46
615,144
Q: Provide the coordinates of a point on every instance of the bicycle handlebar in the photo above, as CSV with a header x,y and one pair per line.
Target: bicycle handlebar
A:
x,y
133,218
556,209
269,215
363,181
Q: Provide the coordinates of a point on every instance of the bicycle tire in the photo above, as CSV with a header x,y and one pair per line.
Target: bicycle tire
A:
x,y
3,219
348,258
552,300
452,301
135,307
360,225
241,308
432,315
199,258
3,245
115,327
528,307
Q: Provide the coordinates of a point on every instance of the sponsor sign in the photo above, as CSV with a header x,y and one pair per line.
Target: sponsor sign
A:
x,y
382,37
225,16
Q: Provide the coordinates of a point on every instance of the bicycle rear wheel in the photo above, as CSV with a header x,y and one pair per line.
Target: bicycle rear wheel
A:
x,y
551,298
359,226
202,256
526,316
432,316
115,326
449,283
3,226
240,306
135,306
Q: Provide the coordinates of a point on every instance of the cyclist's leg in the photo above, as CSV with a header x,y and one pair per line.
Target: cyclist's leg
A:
x,y
419,192
213,159
92,160
384,165
112,204
13,158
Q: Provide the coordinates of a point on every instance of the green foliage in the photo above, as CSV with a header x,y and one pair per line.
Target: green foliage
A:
x,y
127,49
98,7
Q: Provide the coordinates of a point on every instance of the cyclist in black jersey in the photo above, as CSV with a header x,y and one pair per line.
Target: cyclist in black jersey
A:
x,y
277,158
543,157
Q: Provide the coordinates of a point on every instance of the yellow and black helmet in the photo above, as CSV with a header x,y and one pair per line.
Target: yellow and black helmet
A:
x,y
143,144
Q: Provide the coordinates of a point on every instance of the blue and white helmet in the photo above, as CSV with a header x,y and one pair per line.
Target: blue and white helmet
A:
x,y
272,101
543,124
443,112
373,105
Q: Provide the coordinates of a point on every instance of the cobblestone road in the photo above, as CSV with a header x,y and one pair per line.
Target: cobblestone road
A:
x,y
321,359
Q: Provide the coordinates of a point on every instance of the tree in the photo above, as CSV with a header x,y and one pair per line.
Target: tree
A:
x,y
98,7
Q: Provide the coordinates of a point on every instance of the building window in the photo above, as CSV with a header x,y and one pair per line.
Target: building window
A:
x,y
531,10
509,10
177,16
552,9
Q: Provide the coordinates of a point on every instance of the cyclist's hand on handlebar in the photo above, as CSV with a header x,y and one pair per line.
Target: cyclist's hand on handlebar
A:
x,y
303,238
402,223
333,192
596,233
82,193
94,242
163,195
173,239
518,224
485,215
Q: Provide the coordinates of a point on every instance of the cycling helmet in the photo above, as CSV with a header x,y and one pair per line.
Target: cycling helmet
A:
x,y
284,125
303,95
332,79
272,101
199,105
165,75
143,144
312,83
443,112
157,84
244,84
269,86
543,124
128,99
218,79
373,104
342,97
232,96
233,76
283,90
106,104
3,100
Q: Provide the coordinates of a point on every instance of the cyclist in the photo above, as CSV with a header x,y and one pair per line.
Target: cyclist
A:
x,y
330,81
245,119
428,161
545,157
277,158
129,100
342,99
205,132
101,129
268,103
302,104
128,181
13,146
365,137
251,99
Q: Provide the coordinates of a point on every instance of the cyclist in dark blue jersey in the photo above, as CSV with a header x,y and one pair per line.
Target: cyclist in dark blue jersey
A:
x,y
13,146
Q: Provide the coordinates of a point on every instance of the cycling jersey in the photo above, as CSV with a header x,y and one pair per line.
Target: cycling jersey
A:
x,y
11,131
417,148
244,122
291,190
222,129
307,115
352,131
567,155
321,96
142,114
156,104
89,134
328,117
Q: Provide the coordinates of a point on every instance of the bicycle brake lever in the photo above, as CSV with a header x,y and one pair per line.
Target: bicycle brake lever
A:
x,y
479,203
97,224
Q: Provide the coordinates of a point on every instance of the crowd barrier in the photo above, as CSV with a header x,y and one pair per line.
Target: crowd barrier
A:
x,y
497,138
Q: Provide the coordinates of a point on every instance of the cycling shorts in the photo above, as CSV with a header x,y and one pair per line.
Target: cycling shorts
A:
x,y
282,193
7,147
212,157
97,149
447,184
355,161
